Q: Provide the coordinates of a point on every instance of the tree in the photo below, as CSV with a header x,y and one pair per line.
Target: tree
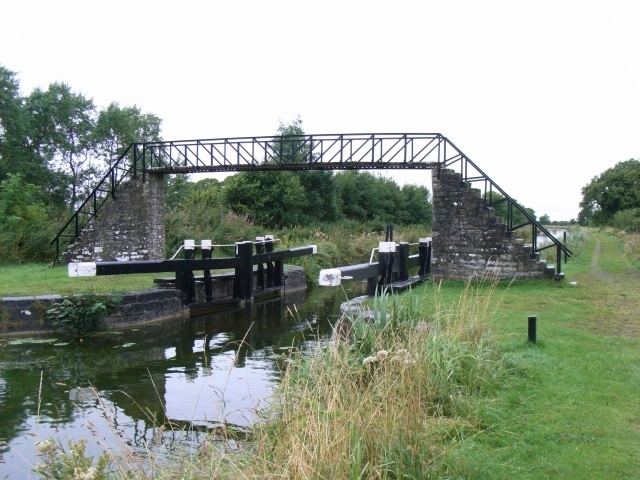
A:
x,y
117,127
304,197
16,154
62,122
415,206
614,190
544,219
24,220
177,189
272,199
320,187
364,197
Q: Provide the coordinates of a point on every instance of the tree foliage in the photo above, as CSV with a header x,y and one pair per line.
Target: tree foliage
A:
x,y
615,190
117,127
364,197
24,220
17,138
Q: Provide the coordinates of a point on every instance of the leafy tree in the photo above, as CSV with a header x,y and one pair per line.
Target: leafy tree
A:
x,y
545,219
415,206
63,123
305,196
628,219
364,197
16,154
117,127
25,220
177,189
614,190
272,199
320,188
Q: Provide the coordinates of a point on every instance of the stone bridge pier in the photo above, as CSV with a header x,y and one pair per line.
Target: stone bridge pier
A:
x,y
129,227
470,240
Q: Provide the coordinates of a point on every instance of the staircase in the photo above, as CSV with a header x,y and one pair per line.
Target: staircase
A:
x,y
470,239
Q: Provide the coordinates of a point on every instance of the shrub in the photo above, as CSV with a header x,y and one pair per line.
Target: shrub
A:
x,y
58,464
80,314
628,220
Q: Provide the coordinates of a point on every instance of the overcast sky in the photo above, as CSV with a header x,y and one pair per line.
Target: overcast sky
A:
x,y
541,95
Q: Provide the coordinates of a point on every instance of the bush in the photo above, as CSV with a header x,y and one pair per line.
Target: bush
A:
x,y
58,464
628,220
25,222
80,314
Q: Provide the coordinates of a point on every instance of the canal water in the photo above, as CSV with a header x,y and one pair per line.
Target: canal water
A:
x,y
543,240
155,387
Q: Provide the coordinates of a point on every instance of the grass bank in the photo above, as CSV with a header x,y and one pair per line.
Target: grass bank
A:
x,y
570,406
443,384
387,400
40,279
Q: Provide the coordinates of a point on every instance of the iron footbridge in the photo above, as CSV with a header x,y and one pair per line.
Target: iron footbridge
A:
x,y
342,151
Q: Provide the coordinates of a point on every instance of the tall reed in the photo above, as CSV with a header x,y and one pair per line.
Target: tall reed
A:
x,y
382,400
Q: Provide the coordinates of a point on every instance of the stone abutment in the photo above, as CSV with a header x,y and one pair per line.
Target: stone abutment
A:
x,y
129,227
470,240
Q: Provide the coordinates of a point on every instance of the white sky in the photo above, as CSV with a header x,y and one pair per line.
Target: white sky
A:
x,y
541,95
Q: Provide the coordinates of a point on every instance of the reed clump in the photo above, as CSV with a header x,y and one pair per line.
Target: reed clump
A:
x,y
385,400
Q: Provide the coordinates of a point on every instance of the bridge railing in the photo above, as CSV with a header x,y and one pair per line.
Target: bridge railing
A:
x,y
295,152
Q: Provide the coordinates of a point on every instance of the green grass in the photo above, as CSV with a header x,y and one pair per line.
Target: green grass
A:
x,y
570,407
39,279
567,407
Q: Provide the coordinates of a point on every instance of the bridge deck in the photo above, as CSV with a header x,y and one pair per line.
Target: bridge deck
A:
x,y
266,167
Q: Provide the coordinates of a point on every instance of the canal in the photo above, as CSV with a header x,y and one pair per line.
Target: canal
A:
x,y
155,387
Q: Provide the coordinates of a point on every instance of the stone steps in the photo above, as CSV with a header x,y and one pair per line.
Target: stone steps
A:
x,y
469,236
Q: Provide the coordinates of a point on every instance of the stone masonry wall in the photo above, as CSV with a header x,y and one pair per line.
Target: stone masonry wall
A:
x,y
129,227
470,240
28,314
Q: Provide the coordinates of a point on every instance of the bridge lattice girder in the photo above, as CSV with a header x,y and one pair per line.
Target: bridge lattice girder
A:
x,y
295,152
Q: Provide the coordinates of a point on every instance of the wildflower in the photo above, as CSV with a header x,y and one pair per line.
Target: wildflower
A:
x,y
381,355
369,360
89,474
47,446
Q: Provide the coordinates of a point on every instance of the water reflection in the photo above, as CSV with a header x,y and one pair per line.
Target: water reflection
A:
x,y
155,385
543,240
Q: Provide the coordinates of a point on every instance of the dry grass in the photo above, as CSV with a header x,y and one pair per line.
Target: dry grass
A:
x,y
384,404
